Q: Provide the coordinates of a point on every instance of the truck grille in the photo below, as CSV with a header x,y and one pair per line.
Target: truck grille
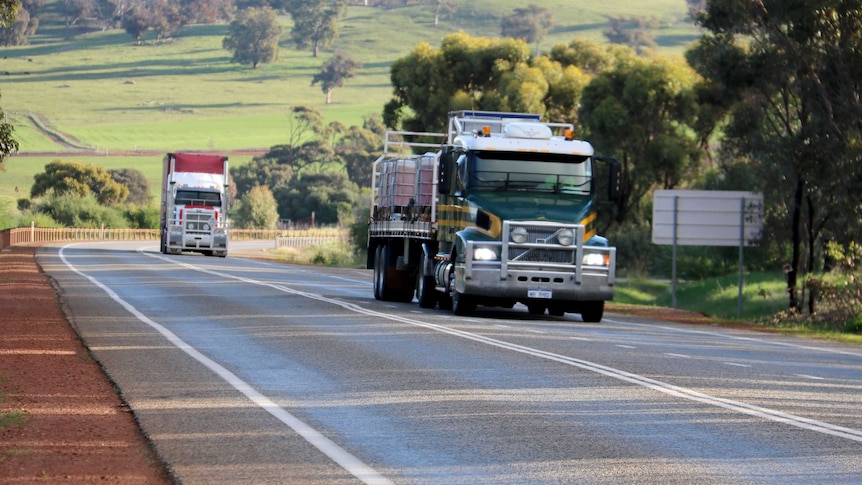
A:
x,y
199,222
543,235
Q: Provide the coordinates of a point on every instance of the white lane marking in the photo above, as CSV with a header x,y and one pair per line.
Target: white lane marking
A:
x,y
735,337
656,385
625,346
677,355
735,364
806,376
337,454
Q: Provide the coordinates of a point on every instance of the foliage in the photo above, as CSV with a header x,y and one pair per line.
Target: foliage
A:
x,y
261,170
8,145
258,209
16,34
463,74
78,179
358,146
253,37
632,32
641,111
530,24
314,22
8,11
791,83
334,72
134,180
330,196
839,307
142,217
73,210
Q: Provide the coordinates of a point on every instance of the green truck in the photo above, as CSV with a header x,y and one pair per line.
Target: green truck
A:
x,y
503,211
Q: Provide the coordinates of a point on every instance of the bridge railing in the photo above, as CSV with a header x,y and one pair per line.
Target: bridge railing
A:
x,y
282,238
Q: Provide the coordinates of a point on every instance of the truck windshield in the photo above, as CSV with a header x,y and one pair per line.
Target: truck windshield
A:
x,y
197,197
532,172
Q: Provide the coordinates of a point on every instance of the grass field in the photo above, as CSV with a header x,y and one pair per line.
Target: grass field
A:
x,y
100,91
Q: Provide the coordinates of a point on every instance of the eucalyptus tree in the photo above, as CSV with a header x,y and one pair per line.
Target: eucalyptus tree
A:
x,y
315,22
63,177
641,111
791,74
334,72
8,145
253,36
530,23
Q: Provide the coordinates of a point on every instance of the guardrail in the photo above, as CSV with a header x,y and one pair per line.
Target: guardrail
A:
x,y
282,238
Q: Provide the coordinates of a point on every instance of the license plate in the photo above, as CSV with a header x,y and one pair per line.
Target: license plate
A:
x,y
546,294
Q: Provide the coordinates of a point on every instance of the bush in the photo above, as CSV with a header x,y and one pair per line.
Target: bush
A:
x,y
76,211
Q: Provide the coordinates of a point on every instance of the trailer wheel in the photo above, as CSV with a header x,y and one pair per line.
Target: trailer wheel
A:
x,y
592,311
384,289
378,273
425,292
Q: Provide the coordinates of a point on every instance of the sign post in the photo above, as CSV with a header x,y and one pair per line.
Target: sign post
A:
x,y
707,218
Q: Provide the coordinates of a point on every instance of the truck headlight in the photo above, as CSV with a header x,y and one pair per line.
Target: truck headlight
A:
x,y
519,235
565,237
596,259
484,254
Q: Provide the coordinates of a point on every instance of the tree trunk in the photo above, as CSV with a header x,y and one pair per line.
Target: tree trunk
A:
x,y
328,96
792,272
812,237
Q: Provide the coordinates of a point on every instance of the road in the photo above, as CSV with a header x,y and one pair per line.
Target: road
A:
x,y
246,371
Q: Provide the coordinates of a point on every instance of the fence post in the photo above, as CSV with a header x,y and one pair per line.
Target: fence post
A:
x,y
32,231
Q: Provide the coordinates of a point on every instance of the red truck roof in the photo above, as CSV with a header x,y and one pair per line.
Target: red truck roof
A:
x,y
198,162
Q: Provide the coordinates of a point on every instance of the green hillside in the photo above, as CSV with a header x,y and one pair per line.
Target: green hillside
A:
x,y
101,92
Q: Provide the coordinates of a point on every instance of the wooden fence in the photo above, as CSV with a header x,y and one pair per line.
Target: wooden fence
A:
x,y
282,238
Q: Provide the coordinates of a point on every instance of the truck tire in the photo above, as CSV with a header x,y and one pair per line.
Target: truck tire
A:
x,y
592,311
425,292
379,271
383,286
462,305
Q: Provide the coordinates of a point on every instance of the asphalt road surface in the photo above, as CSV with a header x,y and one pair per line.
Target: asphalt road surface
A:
x,y
246,371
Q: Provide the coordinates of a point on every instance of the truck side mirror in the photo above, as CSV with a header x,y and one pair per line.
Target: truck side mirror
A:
x,y
615,177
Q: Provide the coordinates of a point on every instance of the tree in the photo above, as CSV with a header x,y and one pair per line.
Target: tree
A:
x,y
329,195
464,73
631,31
8,11
641,112
134,180
16,34
258,209
333,73
77,179
358,147
8,145
261,170
253,37
791,76
315,22
530,24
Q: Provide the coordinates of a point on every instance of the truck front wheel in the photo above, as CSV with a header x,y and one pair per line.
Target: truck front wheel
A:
x,y
592,311
425,292
462,305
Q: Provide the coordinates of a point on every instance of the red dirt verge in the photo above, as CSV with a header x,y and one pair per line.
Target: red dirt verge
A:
x,y
61,420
